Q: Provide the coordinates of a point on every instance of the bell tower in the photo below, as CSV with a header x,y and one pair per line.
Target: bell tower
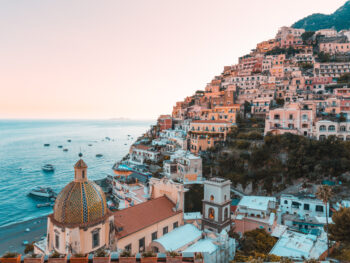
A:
x,y
216,205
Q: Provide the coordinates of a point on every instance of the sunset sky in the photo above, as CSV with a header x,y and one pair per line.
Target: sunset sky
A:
x,y
93,59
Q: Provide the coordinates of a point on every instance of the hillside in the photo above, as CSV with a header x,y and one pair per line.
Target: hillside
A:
x,y
340,20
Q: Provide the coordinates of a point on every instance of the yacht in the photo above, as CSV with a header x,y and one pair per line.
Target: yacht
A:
x,y
42,192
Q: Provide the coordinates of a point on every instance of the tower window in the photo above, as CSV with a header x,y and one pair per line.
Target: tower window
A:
x,y
211,198
225,213
211,213
95,239
57,241
83,174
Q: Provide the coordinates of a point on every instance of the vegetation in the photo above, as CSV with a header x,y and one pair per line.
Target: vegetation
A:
x,y
79,255
55,254
287,51
29,248
172,254
324,193
344,79
340,229
255,245
307,35
338,20
101,253
10,255
148,254
306,66
126,254
193,198
277,161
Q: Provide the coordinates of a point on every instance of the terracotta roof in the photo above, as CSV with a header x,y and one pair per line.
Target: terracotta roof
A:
x,y
143,215
80,164
210,121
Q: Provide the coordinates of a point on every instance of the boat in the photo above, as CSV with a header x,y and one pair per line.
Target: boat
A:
x,y
107,138
42,192
59,146
65,150
46,144
89,144
48,168
69,140
99,155
43,205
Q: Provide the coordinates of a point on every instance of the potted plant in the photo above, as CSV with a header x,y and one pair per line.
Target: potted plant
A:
x,y
34,258
149,257
198,258
102,256
56,257
11,257
79,258
127,257
173,257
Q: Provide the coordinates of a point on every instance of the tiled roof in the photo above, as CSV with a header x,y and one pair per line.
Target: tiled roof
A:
x,y
135,218
80,164
210,121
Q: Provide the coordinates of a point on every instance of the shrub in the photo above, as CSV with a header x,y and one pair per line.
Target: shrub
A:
x,y
172,254
10,255
101,253
148,254
29,248
55,254
126,254
79,255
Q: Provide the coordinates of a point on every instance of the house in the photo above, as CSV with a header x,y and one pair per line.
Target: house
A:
x,y
255,212
139,153
326,128
165,122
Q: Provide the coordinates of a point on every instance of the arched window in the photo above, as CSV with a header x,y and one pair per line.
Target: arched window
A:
x,y
342,128
322,128
211,198
211,213
331,128
340,137
225,213
322,137
225,197
348,138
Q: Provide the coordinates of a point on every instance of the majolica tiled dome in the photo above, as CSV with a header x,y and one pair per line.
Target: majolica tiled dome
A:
x,y
81,201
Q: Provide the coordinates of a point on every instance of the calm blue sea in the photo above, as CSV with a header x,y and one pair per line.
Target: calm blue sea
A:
x,y
22,153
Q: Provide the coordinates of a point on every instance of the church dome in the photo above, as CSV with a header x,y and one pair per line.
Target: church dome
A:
x,y
81,201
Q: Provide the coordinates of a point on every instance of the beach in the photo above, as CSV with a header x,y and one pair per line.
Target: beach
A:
x,y
12,236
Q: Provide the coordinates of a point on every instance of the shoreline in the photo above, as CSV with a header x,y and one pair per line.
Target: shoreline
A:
x,y
12,236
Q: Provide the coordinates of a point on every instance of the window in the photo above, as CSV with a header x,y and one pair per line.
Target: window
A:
x,y
175,225
277,117
211,198
306,207
142,244
291,116
128,247
331,128
165,230
95,238
57,241
154,235
211,213
286,202
319,208
83,174
225,213
342,128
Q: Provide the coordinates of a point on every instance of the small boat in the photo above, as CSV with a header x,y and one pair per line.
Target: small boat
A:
x,y
44,205
107,138
59,146
99,155
46,144
65,150
125,144
42,192
89,144
48,168
69,140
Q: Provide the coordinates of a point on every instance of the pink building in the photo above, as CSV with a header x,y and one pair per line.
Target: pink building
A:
x,y
165,122
297,118
333,48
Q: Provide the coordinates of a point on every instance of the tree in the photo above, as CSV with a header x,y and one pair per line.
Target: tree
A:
x,y
324,193
344,78
340,229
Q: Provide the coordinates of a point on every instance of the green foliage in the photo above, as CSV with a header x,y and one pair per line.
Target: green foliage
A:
x,y
287,51
29,248
338,20
148,254
101,253
10,255
280,102
126,254
324,57
279,160
306,66
345,78
193,198
307,35
79,255
340,229
172,254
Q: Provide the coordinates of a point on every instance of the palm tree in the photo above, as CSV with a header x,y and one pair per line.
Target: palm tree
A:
x,y
324,193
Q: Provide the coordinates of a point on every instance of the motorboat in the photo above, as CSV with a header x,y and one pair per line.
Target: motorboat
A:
x,y
48,168
99,155
69,140
46,144
89,144
59,146
65,150
42,192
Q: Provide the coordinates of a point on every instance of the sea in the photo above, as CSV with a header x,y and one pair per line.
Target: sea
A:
x,y
22,154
